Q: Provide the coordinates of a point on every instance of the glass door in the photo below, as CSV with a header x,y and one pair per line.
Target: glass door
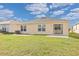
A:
x,y
58,28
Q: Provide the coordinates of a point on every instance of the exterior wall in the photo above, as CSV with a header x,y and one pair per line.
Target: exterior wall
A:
x,y
32,28
65,28
14,27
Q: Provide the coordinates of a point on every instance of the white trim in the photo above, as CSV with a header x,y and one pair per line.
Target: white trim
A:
x,y
42,27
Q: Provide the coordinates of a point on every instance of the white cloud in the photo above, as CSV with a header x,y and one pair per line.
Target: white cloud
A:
x,y
17,18
40,16
1,6
75,10
59,12
71,16
37,8
66,8
20,19
41,8
6,13
56,13
55,5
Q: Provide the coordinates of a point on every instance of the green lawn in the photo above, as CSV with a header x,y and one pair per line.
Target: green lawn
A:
x,y
38,45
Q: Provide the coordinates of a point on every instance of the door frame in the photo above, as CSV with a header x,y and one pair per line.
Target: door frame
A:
x,y
58,33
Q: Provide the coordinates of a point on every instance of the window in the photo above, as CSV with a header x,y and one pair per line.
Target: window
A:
x,y
23,27
41,28
4,29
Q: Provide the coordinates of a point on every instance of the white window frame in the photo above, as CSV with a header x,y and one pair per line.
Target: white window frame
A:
x,y
41,28
23,28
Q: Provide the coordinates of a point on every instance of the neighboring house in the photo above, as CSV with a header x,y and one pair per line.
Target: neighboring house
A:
x,y
75,28
37,26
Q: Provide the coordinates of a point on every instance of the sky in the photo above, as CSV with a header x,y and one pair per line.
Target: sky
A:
x,y
31,11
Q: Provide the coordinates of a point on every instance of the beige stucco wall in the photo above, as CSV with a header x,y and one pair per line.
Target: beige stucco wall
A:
x,y
32,28
14,26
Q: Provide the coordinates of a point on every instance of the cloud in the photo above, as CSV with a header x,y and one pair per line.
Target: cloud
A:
x,y
17,18
37,8
1,6
40,16
76,10
20,19
67,8
71,16
59,12
41,9
6,13
55,5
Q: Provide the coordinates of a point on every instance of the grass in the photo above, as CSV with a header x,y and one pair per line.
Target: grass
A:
x,y
36,45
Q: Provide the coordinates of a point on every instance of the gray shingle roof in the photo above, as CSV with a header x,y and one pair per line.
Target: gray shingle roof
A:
x,y
44,20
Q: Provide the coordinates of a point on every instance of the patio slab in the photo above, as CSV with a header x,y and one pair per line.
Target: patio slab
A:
x,y
57,36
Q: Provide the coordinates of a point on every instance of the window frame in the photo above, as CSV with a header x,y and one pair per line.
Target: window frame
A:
x,y
41,28
23,28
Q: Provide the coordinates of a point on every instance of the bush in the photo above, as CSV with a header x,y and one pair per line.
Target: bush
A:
x,y
7,33
17,32
74,35
4,32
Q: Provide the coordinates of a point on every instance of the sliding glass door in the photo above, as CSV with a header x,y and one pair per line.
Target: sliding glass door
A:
x,y
58,28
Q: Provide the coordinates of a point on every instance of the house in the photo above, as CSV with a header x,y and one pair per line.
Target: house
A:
x,y
9,26
75,28
37,26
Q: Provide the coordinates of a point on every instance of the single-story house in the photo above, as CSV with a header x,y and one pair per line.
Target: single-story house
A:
x,y
37,26
75,28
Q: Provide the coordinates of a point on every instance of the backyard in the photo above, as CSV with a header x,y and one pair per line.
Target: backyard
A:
x,y
38,45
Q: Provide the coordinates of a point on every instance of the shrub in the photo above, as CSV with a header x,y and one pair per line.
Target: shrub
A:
x,y
17,32
74,35
4,32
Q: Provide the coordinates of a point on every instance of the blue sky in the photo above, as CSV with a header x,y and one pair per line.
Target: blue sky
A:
x,y
30,11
